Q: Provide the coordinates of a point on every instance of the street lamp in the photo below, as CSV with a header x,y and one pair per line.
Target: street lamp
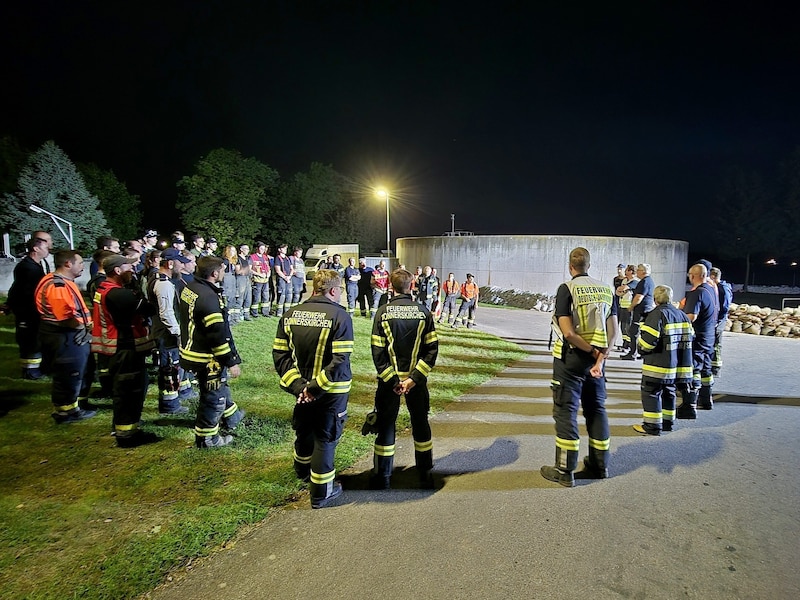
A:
x,y
383,194
56,219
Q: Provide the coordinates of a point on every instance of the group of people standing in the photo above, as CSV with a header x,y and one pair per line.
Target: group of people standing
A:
x,y
679,342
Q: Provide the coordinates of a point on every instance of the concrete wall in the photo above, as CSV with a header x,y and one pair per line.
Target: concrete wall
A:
x,y
538,263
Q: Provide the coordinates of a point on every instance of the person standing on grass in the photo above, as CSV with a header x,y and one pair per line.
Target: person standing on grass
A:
x,y
311,353
404,349
208,350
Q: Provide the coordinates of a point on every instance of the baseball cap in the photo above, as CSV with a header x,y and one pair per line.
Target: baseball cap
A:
x,y
211,240
470,275
705,263
174,254
150,233
177,240
117,260
620,266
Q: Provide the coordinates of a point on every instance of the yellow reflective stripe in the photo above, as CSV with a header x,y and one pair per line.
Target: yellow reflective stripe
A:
x,y
196,356
118,427
303,460
323,381
387,374
423,368
645,345
568,444
212,318
431,337
600,444
417,344
684,372
390,344
319,354
206,432
655,369
322,478
342,347
222,350
669,415
651,415
708,380
289,377
67,407
423,446
681,327
384,450
340,387
650,330
230,410
378,341
280,344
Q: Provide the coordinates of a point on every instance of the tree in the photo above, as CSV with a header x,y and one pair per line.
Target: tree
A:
x,y
744,222
226,191
12,159
51,181
118,205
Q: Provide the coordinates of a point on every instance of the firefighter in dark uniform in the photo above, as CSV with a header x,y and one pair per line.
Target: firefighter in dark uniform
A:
x,y
701,307
585,325
665,343
404,350
208,350
311,352
725,293
641,304
65,333
27,275
120,315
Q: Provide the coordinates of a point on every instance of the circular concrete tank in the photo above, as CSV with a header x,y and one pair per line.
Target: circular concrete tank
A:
x,y
538,263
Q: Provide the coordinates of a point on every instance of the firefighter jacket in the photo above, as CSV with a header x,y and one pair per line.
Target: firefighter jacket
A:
x,y
450,288
27,275
469,291
260,265
665,341
59,300
589,302
428,287
120,320
205,334
404,341
312,348
626,298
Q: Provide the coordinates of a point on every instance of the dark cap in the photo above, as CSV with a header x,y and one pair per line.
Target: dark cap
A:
x,y
117,260
174,254
177,240
620,266
150,233
470,275
211,240
705,263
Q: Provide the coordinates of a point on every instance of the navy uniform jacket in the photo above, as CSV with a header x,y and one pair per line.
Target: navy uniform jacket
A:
x,y
205,333
666,344
312,348
404,341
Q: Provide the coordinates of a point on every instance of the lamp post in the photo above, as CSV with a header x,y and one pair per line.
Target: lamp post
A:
x,y
56,219
383,194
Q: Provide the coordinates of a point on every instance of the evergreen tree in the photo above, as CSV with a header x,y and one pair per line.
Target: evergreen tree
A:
x,y
51,181
120,208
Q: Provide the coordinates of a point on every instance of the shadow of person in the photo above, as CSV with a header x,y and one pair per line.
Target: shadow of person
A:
x,y
666,453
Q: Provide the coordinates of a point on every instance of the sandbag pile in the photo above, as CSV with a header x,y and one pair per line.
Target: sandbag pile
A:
x,y
752,319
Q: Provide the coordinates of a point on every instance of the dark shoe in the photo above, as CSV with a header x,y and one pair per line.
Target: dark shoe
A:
x,y
248,319
32,374
379,482
705,404
181,410
369,423
590,471
642,430
323,502
667,426
686,411
73,417
628,356
216,441
139,438
564,478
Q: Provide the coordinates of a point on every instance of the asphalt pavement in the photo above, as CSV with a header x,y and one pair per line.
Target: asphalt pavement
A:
x,y
707,511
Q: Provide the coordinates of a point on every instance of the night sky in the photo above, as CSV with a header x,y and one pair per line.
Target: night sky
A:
x,y
602,118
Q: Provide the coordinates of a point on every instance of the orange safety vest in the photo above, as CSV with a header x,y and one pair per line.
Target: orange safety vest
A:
x,y
59,299
469,290
105,335
450,289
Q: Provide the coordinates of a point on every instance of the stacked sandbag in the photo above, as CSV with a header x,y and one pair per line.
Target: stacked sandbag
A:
x,y
755,320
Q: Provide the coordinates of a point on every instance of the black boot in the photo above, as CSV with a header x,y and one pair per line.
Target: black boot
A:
x,y
687,409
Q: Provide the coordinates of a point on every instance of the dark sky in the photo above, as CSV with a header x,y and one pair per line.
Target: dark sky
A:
x,y
582,118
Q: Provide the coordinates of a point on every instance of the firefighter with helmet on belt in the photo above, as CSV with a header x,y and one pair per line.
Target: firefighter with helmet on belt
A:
x,y
404,349
311,353
585,323
208,350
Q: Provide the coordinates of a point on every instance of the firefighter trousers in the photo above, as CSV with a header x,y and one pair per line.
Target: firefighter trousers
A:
x,y
67,359
215,406
128,372
573,387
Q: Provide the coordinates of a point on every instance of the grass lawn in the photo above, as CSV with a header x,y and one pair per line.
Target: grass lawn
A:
x,y
81,518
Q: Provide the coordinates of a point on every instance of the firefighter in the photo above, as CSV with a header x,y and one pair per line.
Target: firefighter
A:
x,y
208,350
120,331
584,322
27,275
725,293
352,277
451,289
404,350
701,308
428,288
641,304
624,292
311,353
469,301
64,333
261,274
666,345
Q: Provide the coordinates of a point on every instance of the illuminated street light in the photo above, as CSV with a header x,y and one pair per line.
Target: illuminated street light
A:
x,y
771,261
383,194
56,219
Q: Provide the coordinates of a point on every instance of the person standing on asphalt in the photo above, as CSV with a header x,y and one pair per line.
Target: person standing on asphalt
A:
x,y
311,353
208,350
404,349
665,342
585,323
641,304
65,331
